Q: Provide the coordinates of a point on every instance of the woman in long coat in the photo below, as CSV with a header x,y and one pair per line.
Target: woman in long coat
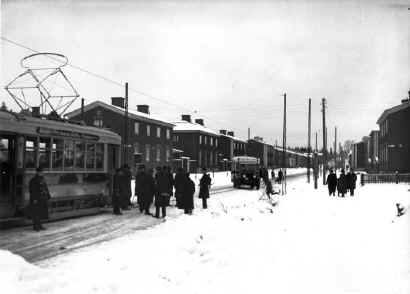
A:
x,y
179,183
204,185
148,190
188,195
341,184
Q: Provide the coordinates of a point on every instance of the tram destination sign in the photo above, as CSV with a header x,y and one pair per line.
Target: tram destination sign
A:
x,y
65,133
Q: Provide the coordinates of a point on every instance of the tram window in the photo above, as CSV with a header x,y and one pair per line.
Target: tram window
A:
x,y
57,154
99,158
68,154
79,155
30,156
90,156
44,153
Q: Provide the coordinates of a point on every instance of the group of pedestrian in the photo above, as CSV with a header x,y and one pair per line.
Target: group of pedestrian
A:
x,y
158,189
345,182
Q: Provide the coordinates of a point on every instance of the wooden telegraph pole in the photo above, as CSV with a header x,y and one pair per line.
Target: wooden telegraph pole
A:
x,y
309,151
335,151
324,151
284,146
125,139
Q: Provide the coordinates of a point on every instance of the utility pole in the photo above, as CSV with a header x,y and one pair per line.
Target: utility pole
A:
x,y
125,139
335,151
324,151
308,158
316,142
284,146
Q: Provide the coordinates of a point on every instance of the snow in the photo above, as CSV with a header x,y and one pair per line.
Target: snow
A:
x,y
307,242
185,126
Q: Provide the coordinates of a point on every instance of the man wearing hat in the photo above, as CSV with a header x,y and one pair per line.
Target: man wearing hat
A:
x,y
39,196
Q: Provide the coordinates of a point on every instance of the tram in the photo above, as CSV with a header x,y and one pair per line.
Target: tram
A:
x,y
78,162
245,171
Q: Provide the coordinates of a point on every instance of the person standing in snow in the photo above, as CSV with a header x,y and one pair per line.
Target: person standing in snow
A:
x,y
204,186
138,186
125,188
39,196
331,183
116,198
280,176
351,181
272,173
188,194
179,181
148,191
162,195
168,173
341,184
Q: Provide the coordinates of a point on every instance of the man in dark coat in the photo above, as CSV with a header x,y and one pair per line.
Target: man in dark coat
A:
x,y
168,173
39,196
148,190
272,173
341,184
188,195
179,182
116,195
125,188
204,186
280,176
138,186
164,185
351,179
331,183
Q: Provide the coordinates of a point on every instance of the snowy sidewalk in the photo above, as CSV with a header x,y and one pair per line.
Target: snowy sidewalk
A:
x,y
309,243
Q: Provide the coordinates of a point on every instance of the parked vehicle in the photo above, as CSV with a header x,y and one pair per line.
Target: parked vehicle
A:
x,y
245,171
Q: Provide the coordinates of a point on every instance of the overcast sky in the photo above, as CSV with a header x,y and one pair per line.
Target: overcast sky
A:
x,y
230,61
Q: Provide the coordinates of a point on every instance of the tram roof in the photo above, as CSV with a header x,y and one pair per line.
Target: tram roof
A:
x,y
24,124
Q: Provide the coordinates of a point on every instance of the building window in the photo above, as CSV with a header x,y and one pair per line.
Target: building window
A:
x,y
136,128
199,158
158,153
147,151
98,119
168,154
159,132
200,139
212,141
148,130
216,142
168,134
136,148
206,140
57,148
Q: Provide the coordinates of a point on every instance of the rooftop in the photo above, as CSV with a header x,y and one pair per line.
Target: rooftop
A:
x,y
393,110
132,113
184,126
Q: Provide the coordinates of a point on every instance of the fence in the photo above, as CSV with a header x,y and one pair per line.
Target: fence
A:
x,y
384,178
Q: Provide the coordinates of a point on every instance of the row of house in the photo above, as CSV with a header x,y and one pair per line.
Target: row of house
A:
x,y
386,149
187,143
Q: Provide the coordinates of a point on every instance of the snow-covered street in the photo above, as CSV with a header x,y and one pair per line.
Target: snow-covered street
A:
x,y
307,243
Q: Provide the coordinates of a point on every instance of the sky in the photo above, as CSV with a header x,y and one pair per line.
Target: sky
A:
x,y
228,62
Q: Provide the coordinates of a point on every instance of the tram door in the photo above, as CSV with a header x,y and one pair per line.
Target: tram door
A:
x,y
7,155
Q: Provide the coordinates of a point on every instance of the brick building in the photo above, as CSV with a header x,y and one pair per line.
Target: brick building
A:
x,y
394,138
373,150
197,142
228,147
149,137
359,159
259,149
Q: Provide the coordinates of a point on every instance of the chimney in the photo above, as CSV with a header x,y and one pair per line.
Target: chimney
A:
x,y
231,133
118,101
186,117
144,108
35,111
223,132
199,121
